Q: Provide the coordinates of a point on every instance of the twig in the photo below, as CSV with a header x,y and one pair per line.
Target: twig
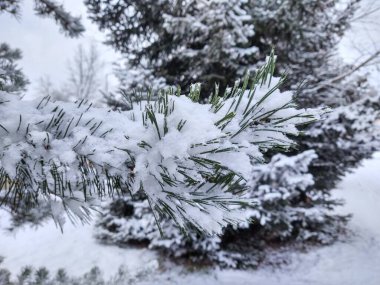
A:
x,y
344,75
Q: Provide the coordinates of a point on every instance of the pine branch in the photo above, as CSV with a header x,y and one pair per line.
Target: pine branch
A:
x,y
71,25
186,164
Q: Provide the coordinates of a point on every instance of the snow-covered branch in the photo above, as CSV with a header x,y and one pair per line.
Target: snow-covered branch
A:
x,y
185,156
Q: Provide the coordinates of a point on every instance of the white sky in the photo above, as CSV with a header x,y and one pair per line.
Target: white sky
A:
x,y
46,50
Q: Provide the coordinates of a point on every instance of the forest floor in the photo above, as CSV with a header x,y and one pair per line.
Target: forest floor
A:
x,y
354,260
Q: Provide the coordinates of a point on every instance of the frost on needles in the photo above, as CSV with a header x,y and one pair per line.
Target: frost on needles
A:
x,y
191,160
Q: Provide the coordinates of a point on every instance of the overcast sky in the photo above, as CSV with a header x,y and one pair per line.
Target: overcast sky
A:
x,y
46,50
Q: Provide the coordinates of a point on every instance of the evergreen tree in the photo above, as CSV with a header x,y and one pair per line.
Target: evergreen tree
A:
x,y
286,208
11,77
305,34
42,276
343,139
178,42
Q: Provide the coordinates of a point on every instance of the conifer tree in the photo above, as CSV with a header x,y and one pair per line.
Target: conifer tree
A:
x,y
11,77
178,42
304,34
172,37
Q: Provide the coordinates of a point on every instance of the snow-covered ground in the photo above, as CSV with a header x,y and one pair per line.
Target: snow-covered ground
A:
x,y
354,261
75,249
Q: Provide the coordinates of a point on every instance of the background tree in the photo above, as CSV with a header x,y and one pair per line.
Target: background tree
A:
x,y
305,33
167,42
178,42
85,78
11,77
85,71
286,208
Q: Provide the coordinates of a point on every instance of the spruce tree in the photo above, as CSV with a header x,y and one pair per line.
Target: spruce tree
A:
x,y
304,34
178,42
286,210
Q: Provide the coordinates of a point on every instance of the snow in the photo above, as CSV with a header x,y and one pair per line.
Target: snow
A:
x,y
352,261
74,249
144,148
